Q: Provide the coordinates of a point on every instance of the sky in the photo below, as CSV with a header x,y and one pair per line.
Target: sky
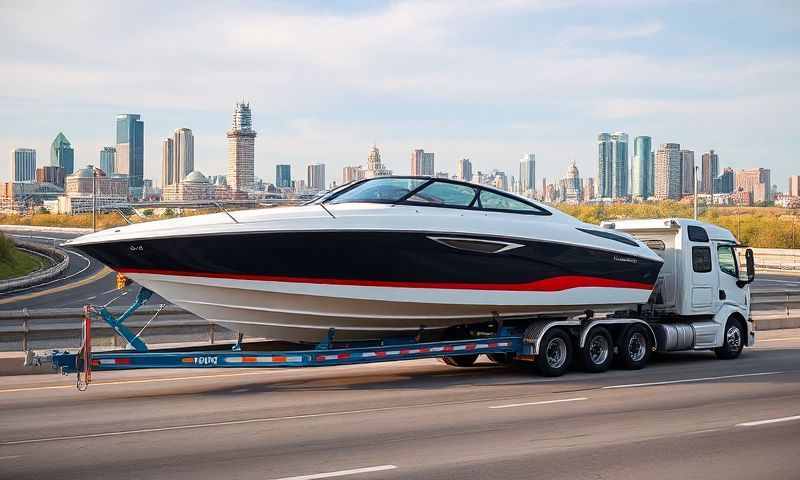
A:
x,y
490,80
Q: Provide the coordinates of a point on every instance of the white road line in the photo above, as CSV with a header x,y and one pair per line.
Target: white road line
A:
x,y
10,457
783,339
341,473
88,264
765,422
691,380
543,402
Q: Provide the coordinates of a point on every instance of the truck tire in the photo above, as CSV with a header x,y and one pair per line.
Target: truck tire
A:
x,y
501,358
634,348
597,352
460,360
555,353
733,340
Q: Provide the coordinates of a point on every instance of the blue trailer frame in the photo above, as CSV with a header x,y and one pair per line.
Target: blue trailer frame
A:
x,y
84,362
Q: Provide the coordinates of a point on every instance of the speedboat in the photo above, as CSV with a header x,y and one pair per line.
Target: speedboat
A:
x,y
380,257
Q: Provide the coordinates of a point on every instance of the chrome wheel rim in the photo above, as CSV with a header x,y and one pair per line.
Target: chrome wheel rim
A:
x,y
599,349
637,346
556,352
734,337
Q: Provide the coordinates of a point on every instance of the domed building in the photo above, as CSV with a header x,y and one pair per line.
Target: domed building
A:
x,y
374,166
571,185
91,182
194,186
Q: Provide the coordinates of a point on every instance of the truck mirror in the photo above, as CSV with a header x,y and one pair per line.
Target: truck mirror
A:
x,y
751,265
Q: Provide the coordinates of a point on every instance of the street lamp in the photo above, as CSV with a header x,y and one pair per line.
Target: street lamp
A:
x,y
94,198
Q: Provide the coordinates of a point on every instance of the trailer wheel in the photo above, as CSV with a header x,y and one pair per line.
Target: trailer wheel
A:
x,y
598,351
555,353
460,360
501,358
734,340
635,346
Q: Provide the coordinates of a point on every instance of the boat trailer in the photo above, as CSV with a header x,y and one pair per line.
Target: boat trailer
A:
x,y
326,353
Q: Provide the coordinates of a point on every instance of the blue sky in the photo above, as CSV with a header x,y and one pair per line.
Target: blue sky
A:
x,y
489,80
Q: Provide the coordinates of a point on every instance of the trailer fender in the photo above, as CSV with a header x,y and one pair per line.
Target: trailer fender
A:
x,y
617,321
532,338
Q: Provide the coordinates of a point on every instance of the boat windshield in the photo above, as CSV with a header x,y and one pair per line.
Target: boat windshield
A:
x,y
380,190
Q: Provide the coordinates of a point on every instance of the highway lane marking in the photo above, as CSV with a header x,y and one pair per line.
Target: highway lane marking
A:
x,y
783,339
341,473
691,380
88,264
100,274
765,422
543,402
10,457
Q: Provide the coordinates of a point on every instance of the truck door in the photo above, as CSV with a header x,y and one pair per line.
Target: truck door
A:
x,y
729,291
704,278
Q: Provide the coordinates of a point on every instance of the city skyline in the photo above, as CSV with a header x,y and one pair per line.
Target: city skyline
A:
x,y
550,105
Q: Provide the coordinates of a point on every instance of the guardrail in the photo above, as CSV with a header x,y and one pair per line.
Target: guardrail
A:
x,y
60,258
61,328
776,259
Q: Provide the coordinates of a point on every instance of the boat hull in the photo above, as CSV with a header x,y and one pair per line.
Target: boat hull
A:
x,y
369,284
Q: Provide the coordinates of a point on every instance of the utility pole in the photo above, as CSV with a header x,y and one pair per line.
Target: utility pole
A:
x,y
94,198
694,181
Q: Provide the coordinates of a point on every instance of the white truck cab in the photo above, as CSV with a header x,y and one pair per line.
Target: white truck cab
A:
x,y
702,297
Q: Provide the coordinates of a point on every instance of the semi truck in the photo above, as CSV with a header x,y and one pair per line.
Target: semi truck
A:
x,y
701,301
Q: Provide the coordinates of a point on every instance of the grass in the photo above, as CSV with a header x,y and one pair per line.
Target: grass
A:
x,y
14,262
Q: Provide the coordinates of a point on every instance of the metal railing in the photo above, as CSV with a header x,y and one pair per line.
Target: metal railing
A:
x,y
58,256
777,259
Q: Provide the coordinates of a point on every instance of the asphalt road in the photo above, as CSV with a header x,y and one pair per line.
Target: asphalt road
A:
x,y
685,416
85,281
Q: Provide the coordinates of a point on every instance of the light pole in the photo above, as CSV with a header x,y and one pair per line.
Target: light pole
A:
x,y
94,198
694,181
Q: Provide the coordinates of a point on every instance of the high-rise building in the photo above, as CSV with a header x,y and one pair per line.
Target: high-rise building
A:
x,y
61,154
352,173
374,166
667,181
130,150
619,151
527,174
464,170
315,179
108,159
710,170
725,182
588,189
572,185
241,149
757,181
183,153
794,186
605,167
283,176
422,163
23,165
642,168
687,172
50,174
168,162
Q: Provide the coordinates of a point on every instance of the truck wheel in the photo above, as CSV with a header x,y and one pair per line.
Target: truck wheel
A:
x,y
733,342
635,347
555,353
598,351
460,360
501,358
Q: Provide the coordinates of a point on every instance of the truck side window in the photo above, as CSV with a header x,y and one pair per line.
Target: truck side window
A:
x,y
697,234
701,259
727,260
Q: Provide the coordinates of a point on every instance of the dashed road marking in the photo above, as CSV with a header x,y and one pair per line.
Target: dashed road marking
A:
x,y
341,473
691,380
771,420
543,402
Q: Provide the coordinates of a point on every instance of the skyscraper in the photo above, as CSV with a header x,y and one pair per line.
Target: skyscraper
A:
x,y
725,182
794,186
62,155
316,177
710,170
283,176
668,171
183,153
422,163
352,173
605,167
642,168
108,159
167,162
130,150
241,149
687,172
23,165
464,170
756,181
375,168
619,150
527,174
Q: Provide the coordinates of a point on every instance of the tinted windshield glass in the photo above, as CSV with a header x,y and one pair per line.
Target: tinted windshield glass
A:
x,y
382,190
443,193
493,201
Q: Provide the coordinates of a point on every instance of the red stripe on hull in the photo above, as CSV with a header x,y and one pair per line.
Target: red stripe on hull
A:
x,y
554,284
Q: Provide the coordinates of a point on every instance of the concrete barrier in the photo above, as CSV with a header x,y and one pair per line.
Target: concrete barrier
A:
x,y
58,256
